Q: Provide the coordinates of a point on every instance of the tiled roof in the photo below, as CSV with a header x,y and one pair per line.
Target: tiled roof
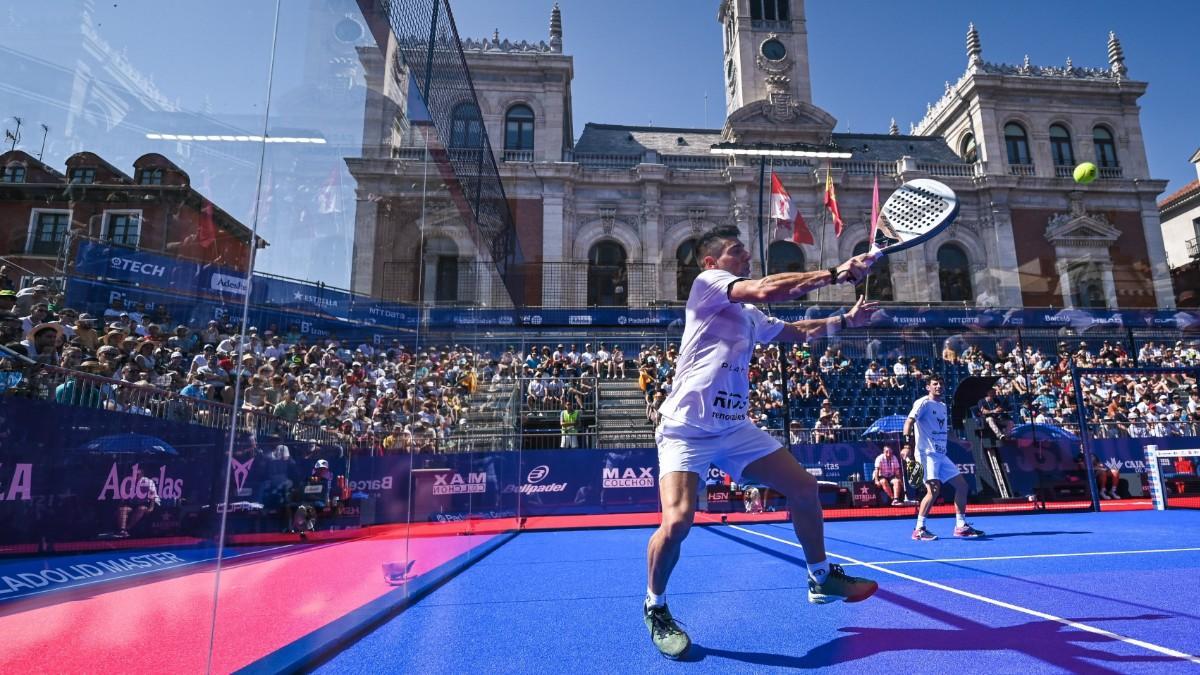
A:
x,y
617,139
1179,195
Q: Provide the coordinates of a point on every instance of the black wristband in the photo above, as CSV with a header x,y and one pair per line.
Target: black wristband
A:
x,y
842,317
833,276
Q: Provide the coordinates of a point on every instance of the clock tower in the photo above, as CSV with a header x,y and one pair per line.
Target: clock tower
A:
x,y
768,95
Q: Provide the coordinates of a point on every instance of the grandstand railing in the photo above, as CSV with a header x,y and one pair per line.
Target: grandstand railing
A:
x,y
74,388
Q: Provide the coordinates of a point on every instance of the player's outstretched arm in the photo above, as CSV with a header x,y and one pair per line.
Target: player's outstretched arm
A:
x,y
809,329
788,286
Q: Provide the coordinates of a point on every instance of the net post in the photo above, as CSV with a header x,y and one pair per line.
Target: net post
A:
x,y
1154,473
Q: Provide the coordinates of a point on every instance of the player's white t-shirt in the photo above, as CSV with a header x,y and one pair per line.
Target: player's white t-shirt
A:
x,y
930,419
712,385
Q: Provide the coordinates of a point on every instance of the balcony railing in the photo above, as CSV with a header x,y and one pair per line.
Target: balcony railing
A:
x,y
866,168
517,156
1021,170
1064,171
947,170
601,160
701,162
1110,172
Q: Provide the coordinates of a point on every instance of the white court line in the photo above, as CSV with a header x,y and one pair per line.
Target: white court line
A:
x,y
1024,557
1166,651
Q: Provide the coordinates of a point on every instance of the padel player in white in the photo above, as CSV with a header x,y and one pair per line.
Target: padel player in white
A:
x,y
704,420
931,420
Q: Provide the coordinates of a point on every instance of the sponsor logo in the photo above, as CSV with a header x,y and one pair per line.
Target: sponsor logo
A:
x,y
718,496
622,319
455,484
579,320
537,474
117,486
962,320
968,469
909,320
386,313
616,478
300,296
308,328
127,265
636,320
26,582
371,485
532,319
534,485
241,471
505,321
19,484
229,284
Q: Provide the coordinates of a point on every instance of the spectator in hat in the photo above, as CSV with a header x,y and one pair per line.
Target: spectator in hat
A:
x,y
42,341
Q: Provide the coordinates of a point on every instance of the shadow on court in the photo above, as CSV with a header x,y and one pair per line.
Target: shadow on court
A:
x,y
1006,535
1047,641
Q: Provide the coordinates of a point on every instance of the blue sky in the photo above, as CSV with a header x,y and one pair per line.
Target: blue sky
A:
x,y
636,62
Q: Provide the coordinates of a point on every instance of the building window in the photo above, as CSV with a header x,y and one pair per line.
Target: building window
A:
x,y
879,283
1017,144
123,228
608,281
13,173
770,10
442,270
687,268
466,127
968,150
1060,146
785,256
1087,285
954,274
49,230
150,177
518,128
83,175
1106,149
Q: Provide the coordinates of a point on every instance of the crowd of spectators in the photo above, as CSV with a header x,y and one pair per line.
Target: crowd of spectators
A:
x,y
395,398
369,397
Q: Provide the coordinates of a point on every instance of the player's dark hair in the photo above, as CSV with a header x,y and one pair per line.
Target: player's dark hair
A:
x,y
934,378
709,243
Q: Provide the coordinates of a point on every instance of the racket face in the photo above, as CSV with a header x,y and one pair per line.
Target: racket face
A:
x,y
915,212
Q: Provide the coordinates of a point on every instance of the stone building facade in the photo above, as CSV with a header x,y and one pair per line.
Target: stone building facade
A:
x,y
609,219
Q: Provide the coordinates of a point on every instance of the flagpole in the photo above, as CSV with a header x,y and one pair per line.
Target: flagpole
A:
x,y
821,246
762,185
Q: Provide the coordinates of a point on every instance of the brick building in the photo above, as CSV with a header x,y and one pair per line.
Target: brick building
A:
x,y
43,210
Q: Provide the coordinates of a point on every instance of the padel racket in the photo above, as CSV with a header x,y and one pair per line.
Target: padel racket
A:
x,y
916,212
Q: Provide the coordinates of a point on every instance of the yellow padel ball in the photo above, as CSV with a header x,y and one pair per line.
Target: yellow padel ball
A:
x,y
1086,173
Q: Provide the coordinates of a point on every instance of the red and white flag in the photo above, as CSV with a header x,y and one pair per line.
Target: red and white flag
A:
x,y
783,210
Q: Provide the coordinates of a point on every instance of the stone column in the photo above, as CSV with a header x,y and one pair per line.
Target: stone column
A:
x,y
1004,265
362,271
1164,290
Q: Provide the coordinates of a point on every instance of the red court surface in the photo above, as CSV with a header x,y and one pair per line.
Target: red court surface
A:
x,y
162,625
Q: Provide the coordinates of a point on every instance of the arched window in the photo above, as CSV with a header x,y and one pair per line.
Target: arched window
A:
x,y
1087,285
687,268
1060,146
968,150
1017,144
954,274
608,281
466,126
518,128
1106,148
879,283
785,256
441,270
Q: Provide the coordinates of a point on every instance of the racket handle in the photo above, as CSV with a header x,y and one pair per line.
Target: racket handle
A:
x,y
874,255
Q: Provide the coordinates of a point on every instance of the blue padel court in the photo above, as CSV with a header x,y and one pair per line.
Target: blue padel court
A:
x,y
1046,593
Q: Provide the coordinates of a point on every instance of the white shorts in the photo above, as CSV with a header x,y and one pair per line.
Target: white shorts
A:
x,y
937,466
682,447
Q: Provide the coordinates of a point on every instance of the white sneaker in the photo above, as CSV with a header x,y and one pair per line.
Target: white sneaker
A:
x,y
1104,495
